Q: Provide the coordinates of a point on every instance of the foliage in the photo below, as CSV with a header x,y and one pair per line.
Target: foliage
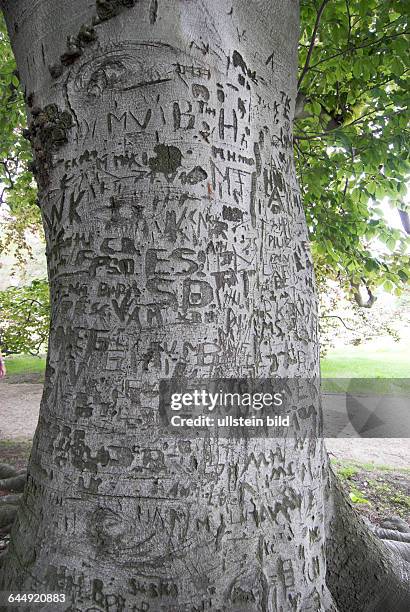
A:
x,y
352,138
17,186
24,320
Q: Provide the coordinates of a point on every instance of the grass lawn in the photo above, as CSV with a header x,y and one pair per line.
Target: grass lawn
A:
x,y
381,366
24,364
373,360
384,363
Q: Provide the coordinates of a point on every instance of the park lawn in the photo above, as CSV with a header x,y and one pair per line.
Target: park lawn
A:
x,y
17,365
365,362
378,367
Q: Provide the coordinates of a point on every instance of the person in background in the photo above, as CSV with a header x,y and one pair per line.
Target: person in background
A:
x,y
2,366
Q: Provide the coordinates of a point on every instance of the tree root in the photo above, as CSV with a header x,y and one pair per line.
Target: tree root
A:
x,y
398,540
396,523
11,480
7,514
399,548
364,573
12,499
14,484
391,534
7,471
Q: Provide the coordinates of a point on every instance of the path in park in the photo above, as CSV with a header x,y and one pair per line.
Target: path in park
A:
x,y
19,406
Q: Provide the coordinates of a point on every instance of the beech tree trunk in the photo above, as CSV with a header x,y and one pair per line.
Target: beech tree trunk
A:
x,y
176,246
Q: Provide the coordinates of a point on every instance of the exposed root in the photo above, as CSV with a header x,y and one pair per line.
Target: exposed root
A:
x,y
15,484
364,573
6,471
7,515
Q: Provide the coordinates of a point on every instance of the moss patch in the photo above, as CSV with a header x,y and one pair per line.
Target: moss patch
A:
x,y
167,160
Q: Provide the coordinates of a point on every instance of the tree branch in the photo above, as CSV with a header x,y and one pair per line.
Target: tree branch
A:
x,y
312,42
336,317
314,135
405,221
364,46
360,300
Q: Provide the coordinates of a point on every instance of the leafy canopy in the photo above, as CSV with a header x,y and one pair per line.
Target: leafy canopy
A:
x,y
17,185
351,139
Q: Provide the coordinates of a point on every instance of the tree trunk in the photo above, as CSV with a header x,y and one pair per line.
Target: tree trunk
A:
x,y
176,246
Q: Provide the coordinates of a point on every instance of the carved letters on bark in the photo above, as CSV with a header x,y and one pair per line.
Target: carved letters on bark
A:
x,y
176,247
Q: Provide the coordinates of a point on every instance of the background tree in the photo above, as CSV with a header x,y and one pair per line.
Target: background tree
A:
x,y
352,139
17,185
177,246
25,318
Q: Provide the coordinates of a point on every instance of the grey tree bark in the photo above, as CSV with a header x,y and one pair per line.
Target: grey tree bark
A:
x,y
176,245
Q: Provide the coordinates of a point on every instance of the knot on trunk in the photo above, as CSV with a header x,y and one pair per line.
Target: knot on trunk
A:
x,y
106,9
47,132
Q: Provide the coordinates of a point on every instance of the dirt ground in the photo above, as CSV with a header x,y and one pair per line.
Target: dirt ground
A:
x,y
394,452
376,494
19,406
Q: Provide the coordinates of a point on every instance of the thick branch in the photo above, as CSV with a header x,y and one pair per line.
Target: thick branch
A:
x,y
355,48
359,298
405,221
